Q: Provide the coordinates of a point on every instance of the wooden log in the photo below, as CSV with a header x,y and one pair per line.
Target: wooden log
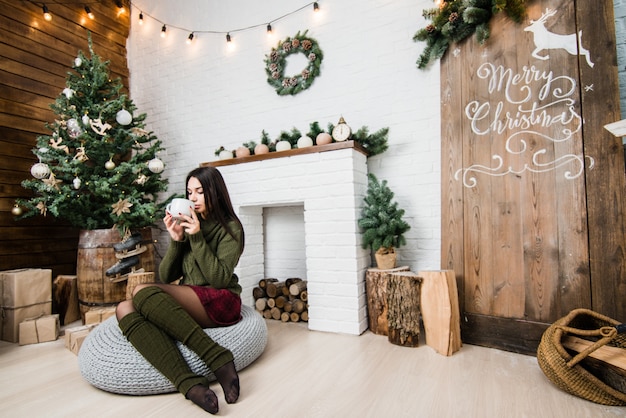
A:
x,y
276,313
271,302
376,289
304,295
274,289
258,293
288,307
284,317
440,311
291,281
304,316
298,305
403,315
137,278
280,302
267,314
263,282
295,317
296,288
607,363
260,304
65,300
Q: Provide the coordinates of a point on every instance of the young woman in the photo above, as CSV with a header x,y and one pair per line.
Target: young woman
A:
x,y
204,250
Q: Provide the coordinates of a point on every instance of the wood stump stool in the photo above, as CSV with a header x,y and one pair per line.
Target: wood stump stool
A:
x,y
376,290
440,311
403,301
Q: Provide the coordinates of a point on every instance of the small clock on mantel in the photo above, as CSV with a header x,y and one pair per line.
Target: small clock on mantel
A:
x,y
341,131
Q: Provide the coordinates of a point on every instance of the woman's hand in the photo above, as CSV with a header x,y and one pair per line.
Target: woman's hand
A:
x,y
173,227
190,223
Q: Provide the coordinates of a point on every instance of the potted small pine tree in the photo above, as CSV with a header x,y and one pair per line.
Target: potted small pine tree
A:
x,y
382,223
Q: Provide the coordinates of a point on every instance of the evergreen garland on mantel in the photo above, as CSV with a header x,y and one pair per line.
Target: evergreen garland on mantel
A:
x,y
456,20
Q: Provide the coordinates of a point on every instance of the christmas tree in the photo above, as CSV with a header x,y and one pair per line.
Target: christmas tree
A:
x,y
99,168
381,219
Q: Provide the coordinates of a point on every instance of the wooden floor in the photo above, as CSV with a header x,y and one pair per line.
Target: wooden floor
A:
x,y
306,373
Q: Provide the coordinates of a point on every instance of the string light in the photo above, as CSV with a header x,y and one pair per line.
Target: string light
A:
x,y
141,18
228,38
190,38
163,31
269,28
88,11
316,7
46,13
120,6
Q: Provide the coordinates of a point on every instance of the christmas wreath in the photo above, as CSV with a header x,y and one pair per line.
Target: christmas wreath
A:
x,y
456,20
276,62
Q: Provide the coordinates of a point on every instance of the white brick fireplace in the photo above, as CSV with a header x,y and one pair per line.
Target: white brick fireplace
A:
x,y
330,182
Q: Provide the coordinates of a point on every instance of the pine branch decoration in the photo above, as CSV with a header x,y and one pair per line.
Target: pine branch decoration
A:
x,y
456,20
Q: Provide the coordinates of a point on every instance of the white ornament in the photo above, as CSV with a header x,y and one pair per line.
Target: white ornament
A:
x,y
109,165
76,183
305,141
68,92
86,120
43,150
155,165
40,170
225,155
283,146
78,62
124,117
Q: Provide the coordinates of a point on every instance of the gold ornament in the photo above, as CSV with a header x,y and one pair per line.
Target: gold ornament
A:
x,y
139,131
122,206
141,180
16,210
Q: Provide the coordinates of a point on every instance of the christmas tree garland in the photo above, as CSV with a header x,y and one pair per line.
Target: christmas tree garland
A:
x,y
276,62
456,20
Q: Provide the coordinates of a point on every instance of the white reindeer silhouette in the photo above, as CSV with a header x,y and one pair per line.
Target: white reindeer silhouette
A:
x,y
544,39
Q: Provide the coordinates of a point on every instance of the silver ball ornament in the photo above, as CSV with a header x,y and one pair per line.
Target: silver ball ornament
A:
x,y
155,165
123,117
16,210
76,183
78,62
40,170
86,120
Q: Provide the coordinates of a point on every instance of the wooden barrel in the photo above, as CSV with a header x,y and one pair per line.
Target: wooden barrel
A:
x,y
95,256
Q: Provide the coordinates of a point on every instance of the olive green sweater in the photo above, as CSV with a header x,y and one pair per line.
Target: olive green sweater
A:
x,y
206,258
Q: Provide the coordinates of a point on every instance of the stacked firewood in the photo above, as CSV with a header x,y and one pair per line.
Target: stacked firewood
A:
x,y
284,300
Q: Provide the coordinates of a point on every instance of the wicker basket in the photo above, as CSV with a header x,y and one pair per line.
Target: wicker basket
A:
x,y
566,371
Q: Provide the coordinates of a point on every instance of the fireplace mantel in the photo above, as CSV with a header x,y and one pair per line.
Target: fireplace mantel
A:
x,y
289,153
330,187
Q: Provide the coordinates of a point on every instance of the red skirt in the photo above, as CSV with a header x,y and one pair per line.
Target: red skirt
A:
x,y
222,305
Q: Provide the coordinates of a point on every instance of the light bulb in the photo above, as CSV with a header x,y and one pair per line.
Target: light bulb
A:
x,y
163,30
269,28
190,38
89,13
46,13
141,18
316,7
228,38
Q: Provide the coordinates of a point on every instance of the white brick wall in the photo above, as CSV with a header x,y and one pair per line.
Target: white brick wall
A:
x,y
202,96
330,186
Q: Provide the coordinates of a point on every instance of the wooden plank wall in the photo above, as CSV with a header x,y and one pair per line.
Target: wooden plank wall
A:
x,y
35,56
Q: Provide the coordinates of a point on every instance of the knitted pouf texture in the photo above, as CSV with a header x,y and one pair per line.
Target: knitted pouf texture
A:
x,y
109,362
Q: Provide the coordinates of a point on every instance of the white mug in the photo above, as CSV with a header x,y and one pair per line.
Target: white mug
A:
x,y
179,207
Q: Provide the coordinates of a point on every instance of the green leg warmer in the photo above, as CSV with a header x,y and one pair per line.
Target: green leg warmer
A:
x,y
161,351
162,310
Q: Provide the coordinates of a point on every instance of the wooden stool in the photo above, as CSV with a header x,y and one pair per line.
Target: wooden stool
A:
x,y
376,289
440,311
403,301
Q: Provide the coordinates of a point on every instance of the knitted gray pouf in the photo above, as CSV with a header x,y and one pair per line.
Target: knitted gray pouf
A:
x,y
109,362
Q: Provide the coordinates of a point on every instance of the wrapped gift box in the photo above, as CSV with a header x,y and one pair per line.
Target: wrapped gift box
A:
x,y
97,315
24,293
39,330
74,337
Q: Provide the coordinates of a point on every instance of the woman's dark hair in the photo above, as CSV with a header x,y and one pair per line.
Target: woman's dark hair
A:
x,y
216,199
